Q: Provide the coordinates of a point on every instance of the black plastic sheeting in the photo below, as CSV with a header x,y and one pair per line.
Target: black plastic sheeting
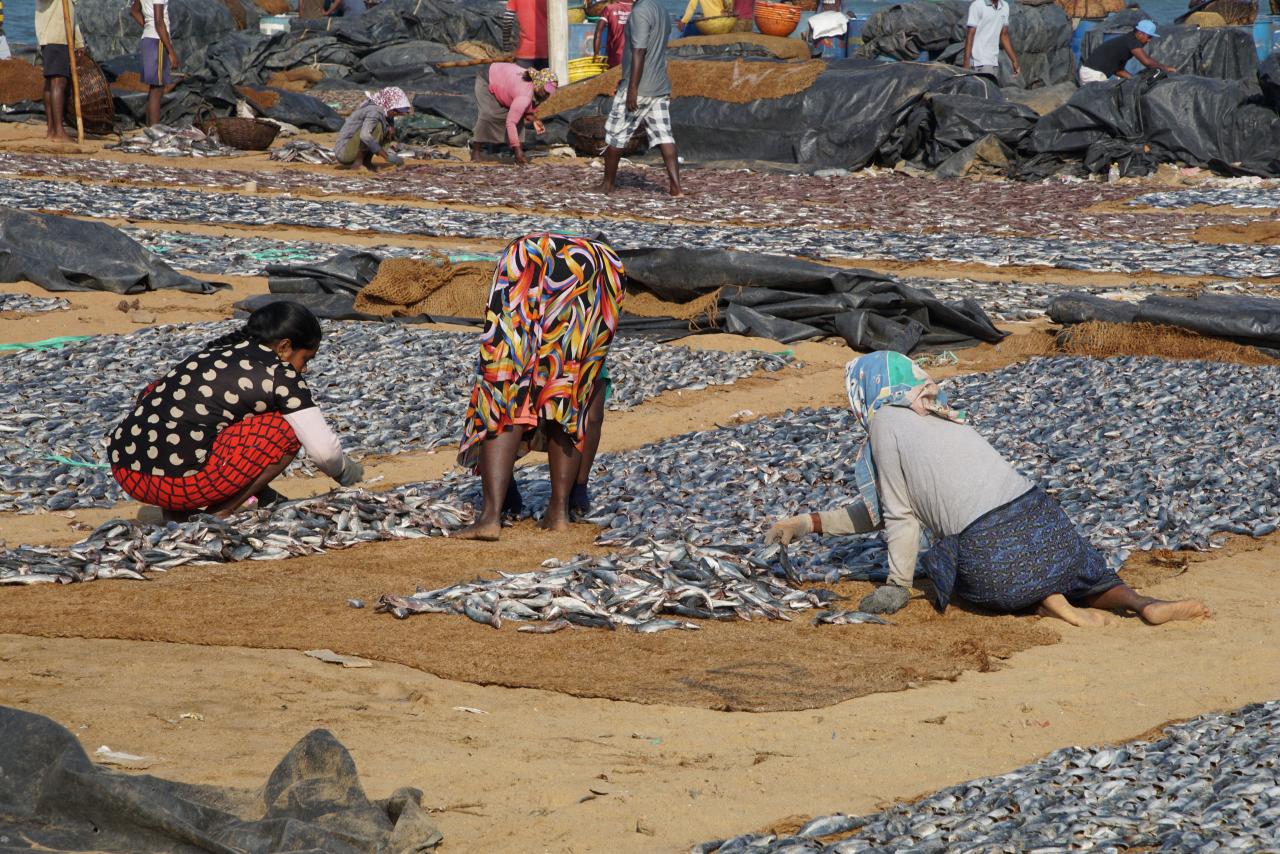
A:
x,y
53,798
63,254
1041,37
1227,53
768,296
1153,119
1253,321
195,24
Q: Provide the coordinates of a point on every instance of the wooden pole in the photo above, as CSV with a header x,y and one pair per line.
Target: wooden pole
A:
x,y
75,74
558,39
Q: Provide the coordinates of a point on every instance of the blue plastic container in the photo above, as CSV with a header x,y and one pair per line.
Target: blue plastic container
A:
x,y
1078,36
580,38
1264,36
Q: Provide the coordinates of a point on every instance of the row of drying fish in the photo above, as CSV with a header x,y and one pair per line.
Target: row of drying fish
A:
x,y
1238,197
302,151
655,588
1209,784
26,304
129,549
153,204
165,141
886,201
88,386
1132,448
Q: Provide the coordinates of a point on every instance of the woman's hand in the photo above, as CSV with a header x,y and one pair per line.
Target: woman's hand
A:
x,y
538,127
520,158
791,528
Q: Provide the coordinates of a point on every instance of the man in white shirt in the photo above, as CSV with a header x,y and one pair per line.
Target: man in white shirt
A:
x,y
988,31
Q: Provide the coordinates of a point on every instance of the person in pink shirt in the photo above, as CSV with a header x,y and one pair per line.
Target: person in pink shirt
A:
x,y
615,19
507,95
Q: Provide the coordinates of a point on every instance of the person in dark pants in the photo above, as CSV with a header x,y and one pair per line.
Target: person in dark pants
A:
x,y
156,48
644,93
51,33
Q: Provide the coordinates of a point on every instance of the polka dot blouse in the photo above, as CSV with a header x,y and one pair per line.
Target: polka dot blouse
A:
x,y
173,427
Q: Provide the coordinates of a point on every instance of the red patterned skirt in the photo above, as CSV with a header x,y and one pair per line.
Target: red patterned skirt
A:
x,y
240,454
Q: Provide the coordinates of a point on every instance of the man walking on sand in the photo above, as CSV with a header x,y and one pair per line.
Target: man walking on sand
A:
x,y
644,93
51,33
987,32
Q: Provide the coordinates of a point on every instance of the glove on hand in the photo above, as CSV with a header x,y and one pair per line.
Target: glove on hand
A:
x,y
889,599
352,472
394,159
791,528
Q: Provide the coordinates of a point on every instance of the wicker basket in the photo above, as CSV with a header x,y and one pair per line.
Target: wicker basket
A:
x,y
96,107
586,137
716,26
246,134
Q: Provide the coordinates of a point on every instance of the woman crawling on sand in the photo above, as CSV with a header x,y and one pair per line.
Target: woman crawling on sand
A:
x,y
552,313
1000,541
226,421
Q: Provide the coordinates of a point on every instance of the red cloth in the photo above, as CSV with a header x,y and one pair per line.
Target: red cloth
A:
x,y
240,454
615,16
744,9
531,15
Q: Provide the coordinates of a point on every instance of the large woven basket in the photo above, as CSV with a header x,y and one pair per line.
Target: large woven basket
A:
x,y
586,137
96,107
246,134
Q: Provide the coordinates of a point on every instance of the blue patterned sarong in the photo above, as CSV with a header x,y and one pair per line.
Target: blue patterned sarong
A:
x,y
1014,556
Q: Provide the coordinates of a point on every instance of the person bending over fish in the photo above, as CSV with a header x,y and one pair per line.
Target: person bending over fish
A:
x,y
370,126
226,421
552,314
1000,541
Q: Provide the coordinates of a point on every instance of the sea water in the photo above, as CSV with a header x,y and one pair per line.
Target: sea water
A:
x,y
19,15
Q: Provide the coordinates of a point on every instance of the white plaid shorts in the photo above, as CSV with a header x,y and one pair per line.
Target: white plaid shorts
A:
x,y
655,113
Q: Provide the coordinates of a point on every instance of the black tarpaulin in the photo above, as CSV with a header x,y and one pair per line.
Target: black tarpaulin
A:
x,y
63,254
53,798
1224,52
1253,321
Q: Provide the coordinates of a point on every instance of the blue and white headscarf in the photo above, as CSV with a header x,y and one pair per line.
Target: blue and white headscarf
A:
x,y
886,378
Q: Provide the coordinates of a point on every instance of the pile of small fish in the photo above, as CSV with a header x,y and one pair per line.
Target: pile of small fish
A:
x,y
1243,197
417,401
1131,448
303,151
128,549
1209,784
152,204
165,141
883,201
655,588
25,304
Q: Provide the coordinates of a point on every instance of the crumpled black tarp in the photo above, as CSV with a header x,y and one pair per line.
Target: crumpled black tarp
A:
x,y
110,31
305,111
1157,119
789,299
1253,321
770,296
1224,52
406,61
53,798
59,253
1041,37
1269,80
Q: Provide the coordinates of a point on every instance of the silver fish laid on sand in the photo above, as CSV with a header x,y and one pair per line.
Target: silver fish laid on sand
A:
x,y
165,141
1208,784
847,618
25,304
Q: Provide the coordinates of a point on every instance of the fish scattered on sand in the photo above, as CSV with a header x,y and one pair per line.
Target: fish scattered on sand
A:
x,y
1235,261
165,141
847,618
655,588
303,151
1205,785
26,304
1237,197
129,549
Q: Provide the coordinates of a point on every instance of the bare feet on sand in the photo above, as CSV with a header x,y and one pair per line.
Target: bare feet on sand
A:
x,y
555,522
1159,612
484,532
1058,606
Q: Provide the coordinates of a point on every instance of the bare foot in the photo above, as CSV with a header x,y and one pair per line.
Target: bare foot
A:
x,y
1159,612
61,137
1058,606
676,191
555,522
606,189
484,532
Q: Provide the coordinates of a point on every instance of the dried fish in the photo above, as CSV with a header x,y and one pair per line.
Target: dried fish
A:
x,y
165,141
24,304
1207,784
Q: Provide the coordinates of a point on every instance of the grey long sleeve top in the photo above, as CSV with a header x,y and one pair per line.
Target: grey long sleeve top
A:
x,y
930,472
370,122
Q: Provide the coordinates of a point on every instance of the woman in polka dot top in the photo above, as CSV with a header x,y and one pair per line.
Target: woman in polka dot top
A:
x,y
226,421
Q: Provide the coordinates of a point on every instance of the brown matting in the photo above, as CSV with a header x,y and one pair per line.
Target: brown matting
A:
x,y
301,604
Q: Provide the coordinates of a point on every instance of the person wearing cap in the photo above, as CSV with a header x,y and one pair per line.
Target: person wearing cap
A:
x,y
1109,58
987,33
